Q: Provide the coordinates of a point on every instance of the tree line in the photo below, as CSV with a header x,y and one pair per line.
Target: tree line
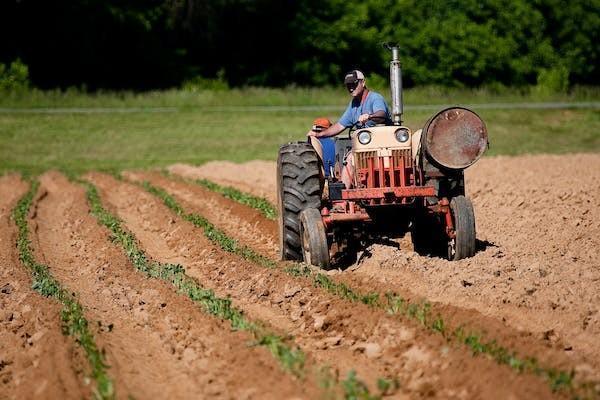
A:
x,y
118,44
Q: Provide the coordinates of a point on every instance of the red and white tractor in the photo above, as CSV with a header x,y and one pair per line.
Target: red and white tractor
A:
x,y
403,181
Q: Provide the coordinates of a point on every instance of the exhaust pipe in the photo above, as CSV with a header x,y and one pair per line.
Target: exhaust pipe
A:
x,y
396,85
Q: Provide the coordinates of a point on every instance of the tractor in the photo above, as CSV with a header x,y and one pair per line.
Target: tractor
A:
x,y
403,181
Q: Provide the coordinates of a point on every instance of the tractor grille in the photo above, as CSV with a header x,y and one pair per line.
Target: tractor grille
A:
x,y
397,155
402,155
362,157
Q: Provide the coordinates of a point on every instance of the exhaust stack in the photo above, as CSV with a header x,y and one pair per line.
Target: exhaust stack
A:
x,y
396,85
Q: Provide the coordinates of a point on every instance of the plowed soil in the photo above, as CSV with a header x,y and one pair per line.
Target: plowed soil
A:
x,y
36,359
333,331
158,344
537,271
533,286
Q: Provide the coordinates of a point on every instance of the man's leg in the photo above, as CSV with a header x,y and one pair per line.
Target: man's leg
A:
x,y
348,171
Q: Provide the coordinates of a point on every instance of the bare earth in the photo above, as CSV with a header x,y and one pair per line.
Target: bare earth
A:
x,y
538,270
533,287
36,359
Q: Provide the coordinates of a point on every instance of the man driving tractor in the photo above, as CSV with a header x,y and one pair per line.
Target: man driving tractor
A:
x,y
366,109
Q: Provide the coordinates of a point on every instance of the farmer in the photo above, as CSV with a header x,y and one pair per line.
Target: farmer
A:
x,y
366,109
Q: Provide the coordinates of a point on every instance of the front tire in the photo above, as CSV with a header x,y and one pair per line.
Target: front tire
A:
x,y
315,249
299,187
463,245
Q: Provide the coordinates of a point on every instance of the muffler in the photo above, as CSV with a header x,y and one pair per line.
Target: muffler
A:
x,y
396,85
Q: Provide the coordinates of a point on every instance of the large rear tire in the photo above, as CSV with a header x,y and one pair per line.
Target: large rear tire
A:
x,y
315,249
299,187
463,245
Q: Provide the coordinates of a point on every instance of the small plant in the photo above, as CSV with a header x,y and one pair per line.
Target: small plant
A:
x,y
354,389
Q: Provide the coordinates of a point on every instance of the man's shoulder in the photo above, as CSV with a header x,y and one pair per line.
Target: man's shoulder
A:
x,y
376,96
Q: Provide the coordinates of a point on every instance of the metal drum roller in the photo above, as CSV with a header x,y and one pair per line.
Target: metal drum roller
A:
x,y
455,138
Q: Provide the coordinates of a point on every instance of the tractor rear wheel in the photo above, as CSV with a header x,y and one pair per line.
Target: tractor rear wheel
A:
x,y
299,187
314,239
463,245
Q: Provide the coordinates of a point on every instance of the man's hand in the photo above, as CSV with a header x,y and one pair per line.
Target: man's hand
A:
x,y
313,133
363,118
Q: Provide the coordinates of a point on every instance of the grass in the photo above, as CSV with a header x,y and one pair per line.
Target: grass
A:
x,y
202,127
421,312
290,96
73,320
291,358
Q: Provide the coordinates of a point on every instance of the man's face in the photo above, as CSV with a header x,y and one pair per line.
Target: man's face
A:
x,y
355,88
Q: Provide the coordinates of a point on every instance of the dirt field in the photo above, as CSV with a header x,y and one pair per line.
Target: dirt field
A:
x,y
538,271
532,287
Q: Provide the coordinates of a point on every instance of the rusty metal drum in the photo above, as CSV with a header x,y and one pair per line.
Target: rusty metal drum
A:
x,y
455,138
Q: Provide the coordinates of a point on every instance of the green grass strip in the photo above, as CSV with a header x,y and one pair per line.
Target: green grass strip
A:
x,y
393,304
72,316
258,203
291,359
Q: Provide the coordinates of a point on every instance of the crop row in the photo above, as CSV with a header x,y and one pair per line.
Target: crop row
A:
x,y
476,342
290,357
74,322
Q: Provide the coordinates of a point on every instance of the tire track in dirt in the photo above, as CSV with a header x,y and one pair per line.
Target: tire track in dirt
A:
x,y
36,359
538,271
158,344
325,326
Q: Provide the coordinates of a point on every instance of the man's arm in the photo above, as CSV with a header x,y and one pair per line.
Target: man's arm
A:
x,y
378,117
333,130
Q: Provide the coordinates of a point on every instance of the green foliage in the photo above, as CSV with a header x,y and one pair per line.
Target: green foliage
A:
x,y
553,80
15,77
199,84
157,44
72,315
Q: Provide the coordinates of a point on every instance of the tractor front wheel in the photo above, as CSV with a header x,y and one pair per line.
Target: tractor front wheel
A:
x,y
299,187
314,240
463,244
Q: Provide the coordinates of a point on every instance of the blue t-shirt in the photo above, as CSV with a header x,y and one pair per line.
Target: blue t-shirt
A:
x,y
374,102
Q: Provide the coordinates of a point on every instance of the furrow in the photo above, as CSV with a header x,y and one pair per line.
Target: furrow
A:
x,y
146,218
537,262
36,359
375,340
523,351
158,344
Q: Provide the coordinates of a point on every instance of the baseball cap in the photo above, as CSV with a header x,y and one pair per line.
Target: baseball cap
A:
x,y
320,124
353,76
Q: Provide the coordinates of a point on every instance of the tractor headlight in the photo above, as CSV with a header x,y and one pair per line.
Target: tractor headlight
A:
x,y
402,135
364,137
